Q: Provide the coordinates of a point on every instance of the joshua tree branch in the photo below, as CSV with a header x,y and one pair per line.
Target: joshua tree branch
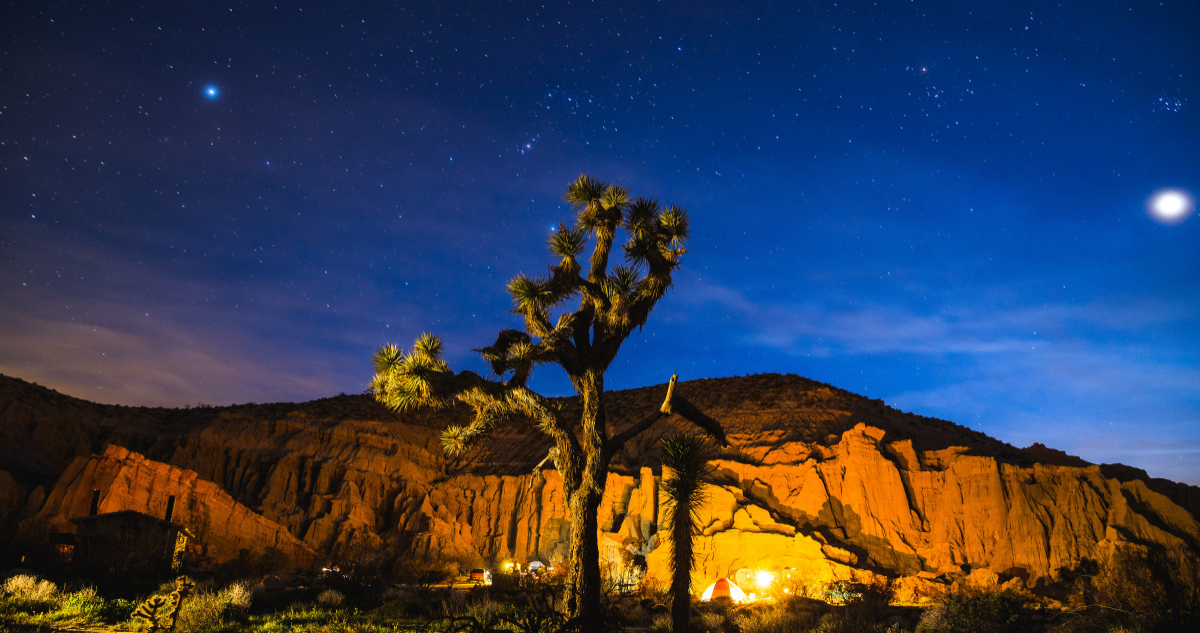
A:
x,y
672,404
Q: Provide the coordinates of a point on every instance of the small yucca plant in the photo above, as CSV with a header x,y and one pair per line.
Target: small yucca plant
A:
x,y
685,467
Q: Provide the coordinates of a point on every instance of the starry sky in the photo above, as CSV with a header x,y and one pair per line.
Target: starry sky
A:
x,y
940,204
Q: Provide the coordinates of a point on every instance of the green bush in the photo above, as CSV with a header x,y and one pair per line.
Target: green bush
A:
x,y
330,598
26,594
31,600
30,589
115,610
209,609
83,606
976,611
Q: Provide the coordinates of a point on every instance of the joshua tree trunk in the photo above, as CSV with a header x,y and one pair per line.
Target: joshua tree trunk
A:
x,y
583,502
583,574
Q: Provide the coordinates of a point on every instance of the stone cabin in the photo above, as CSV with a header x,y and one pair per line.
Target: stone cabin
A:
x,y
129,541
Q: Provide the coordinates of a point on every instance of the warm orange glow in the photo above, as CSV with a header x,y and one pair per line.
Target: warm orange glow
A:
x,y
764,578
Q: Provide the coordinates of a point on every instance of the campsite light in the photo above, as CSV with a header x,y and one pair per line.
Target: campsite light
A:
x,y
763,578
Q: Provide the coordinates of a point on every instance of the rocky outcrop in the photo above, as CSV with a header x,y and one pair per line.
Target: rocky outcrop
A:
x,y
128,481
828,483
12,499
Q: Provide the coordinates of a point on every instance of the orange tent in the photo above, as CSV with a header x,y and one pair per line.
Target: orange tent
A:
x,y
724,588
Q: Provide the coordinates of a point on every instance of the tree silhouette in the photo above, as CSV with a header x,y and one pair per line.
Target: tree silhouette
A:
x,y
613,302
685,467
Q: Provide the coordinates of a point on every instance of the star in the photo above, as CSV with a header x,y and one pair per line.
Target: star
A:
x,y
211,92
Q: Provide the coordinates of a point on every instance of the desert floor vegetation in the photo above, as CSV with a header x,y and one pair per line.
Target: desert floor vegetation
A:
x,y
1140,592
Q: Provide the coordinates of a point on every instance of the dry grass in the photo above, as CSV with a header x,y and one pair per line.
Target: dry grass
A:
x,y
29,589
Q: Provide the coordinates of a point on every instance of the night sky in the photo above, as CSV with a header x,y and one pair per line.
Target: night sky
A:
x,y
943,205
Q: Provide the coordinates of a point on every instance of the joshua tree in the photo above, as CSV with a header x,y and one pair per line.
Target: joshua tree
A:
x,y
685,466
612,304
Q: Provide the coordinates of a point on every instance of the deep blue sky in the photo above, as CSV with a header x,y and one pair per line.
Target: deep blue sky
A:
x,y
937,204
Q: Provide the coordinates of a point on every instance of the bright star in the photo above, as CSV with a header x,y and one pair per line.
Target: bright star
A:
x,y
1170,206
211,92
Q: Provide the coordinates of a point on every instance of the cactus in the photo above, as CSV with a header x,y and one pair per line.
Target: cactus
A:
x,y
154,605
184,587
148,611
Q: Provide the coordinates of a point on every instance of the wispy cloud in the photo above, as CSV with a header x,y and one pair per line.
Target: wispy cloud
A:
x,y
1022,374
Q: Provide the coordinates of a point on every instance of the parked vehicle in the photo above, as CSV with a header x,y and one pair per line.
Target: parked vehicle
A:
x,y
480,576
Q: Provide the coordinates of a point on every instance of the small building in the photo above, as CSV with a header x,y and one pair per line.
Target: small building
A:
x,y
129,541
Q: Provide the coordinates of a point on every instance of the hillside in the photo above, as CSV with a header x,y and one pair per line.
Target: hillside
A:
x,y
815,478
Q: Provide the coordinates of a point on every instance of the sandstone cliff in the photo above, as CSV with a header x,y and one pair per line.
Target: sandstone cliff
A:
x,y
128,481
816,478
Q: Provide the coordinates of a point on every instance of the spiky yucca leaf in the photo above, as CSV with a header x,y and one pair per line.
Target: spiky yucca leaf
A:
x,y
641,247
428,346
615,197
686,456
455,440
676,224
406,381
617,285
586,192
527,294
641,216
567,242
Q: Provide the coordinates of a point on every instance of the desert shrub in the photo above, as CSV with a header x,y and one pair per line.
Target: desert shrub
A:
x,y
771,620
254,564
115,610
712,620
841,591
803,605
489,612
30,589
506,583
620,575
1136,588
83,605
977,611
418,603
793,583
26,594
330,598
208,609
404,603
424,570
872,600
401,609
453,603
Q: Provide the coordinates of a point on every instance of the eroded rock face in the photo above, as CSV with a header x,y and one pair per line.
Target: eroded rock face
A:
x,y
128,481
817,479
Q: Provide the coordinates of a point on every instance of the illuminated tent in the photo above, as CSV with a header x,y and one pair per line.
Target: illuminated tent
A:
x,y
724,588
